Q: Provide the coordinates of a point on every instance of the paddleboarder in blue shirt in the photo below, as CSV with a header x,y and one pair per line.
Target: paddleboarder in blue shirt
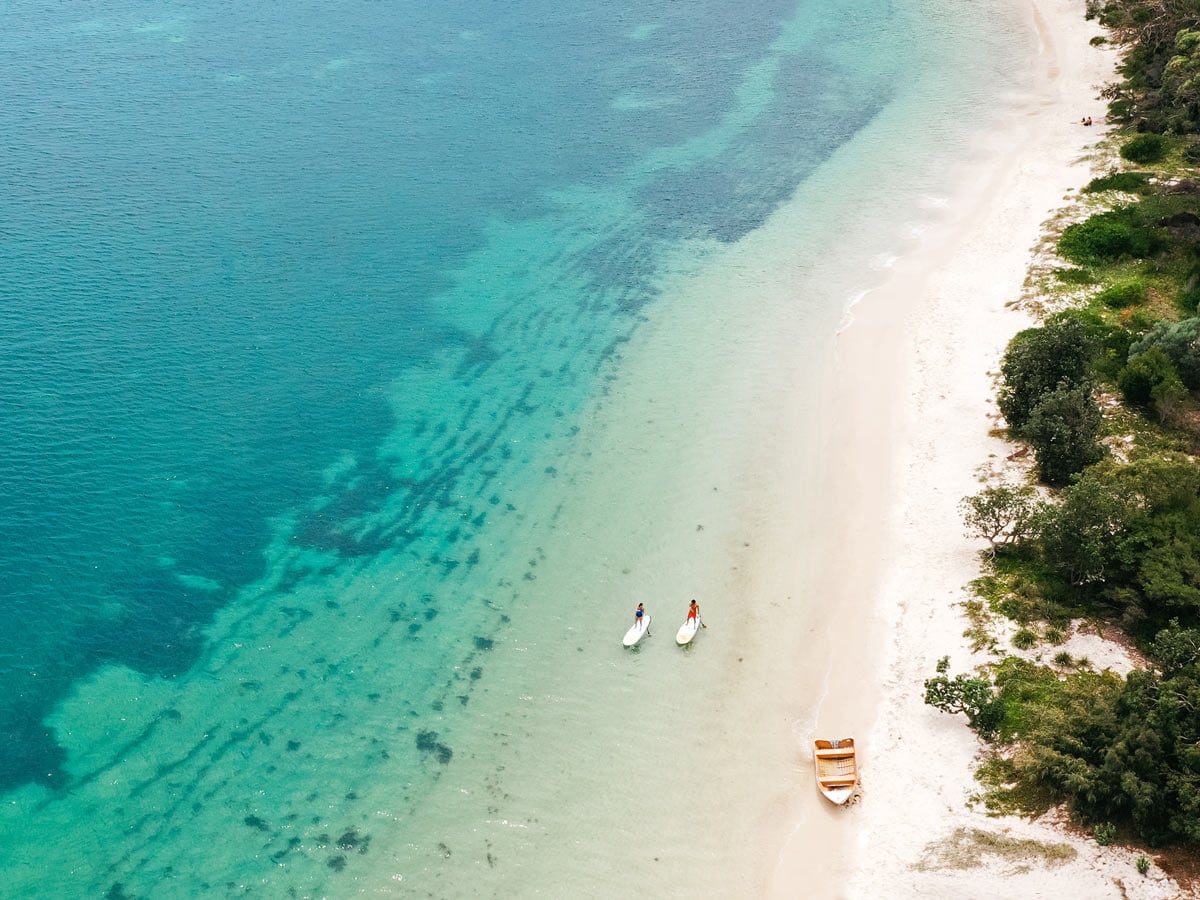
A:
x,y
639,613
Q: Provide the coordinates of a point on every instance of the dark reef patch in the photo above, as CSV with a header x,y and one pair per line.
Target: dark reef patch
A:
x,y
427,742
352,840
482,643
256,822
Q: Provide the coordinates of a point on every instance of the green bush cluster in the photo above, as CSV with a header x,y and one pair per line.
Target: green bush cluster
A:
x,y
1124,293
1128,182
1123,544
1180,343
1124,232
1145,148
1118,542
1074,275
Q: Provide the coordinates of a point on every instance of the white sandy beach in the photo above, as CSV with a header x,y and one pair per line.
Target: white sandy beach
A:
x,y
915,408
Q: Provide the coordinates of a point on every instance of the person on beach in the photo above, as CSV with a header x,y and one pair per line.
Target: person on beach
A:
x,y
694,612
639,614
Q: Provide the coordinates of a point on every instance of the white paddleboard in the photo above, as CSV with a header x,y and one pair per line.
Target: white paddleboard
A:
x,y
687,631
637,632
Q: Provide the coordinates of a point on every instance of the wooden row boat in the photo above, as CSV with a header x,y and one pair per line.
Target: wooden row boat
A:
x,y
837,769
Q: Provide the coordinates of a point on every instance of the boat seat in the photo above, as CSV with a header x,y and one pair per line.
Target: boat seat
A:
x,y
833,782
840,751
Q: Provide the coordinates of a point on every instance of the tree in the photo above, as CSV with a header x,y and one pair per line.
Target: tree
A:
x,y
1000,514
1079,536
1064,429
1181,80
964,694
1039,360
1176,648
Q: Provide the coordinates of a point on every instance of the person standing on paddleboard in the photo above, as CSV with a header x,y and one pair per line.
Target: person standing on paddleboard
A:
x,y
694,612
639,613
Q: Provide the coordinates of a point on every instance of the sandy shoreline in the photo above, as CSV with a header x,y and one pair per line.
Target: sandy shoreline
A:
x,y
912,409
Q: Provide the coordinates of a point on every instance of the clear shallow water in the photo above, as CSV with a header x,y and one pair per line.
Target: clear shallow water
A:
x,y
302,311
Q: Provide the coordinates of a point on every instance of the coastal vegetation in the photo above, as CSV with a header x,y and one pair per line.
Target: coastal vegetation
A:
x,y
1106,534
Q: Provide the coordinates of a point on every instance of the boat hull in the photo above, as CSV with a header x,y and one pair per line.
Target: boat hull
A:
x,y
836,765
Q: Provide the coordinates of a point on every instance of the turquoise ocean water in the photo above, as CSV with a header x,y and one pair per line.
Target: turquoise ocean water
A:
x,y
303,309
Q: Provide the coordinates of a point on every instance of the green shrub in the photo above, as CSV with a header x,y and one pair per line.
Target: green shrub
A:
x,y
1024,639
1054,635
1106,834
1124,293
1169,397
1145,372
1143,865
1180,341
1129,182
1074,275
1145,148
1189,301
1063,658
1109,236
1096,240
